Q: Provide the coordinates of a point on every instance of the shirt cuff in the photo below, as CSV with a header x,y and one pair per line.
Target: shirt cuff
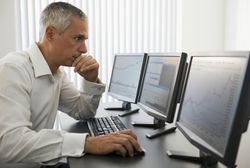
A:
x,y
93,88
73,144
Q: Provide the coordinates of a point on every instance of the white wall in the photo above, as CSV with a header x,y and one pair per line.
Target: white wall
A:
x,y
7,28
203,25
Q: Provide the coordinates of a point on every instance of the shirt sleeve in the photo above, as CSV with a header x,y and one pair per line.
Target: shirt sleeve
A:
x,y
73,141
80,104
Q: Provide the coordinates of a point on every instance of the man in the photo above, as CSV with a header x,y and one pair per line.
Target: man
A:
x,y
33,87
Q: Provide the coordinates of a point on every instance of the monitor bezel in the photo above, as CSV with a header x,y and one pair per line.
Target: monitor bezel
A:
x,y
240,122
175,91
121,97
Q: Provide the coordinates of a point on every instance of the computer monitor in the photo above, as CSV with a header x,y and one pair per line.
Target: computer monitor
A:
x,y
215,105
161,89
125,80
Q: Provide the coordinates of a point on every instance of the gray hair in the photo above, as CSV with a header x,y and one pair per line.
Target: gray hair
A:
x,y
57,14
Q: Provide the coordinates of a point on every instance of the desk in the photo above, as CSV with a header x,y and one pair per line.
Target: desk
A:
x,y
155,156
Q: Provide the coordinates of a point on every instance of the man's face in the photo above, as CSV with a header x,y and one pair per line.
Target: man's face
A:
x,y
71,43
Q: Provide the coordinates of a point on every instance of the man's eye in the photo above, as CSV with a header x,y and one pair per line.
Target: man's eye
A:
x,y
78,38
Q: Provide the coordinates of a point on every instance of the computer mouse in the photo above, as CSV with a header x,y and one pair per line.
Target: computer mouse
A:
x,y
136,153
139,153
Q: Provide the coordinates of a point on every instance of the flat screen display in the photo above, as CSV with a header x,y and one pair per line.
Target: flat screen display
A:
x,y
213,109
162,81
126,76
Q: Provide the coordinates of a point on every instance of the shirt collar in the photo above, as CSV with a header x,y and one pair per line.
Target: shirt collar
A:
x,y
40,65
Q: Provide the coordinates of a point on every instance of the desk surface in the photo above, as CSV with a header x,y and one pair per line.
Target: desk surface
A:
x,y
155,148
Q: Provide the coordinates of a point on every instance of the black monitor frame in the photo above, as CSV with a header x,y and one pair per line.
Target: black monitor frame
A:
x,y
174,97
126,101
208,154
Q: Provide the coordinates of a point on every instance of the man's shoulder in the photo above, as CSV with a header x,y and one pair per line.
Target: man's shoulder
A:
x,y
17,58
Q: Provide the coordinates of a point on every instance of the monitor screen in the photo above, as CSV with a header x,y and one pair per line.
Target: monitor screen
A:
x,y
161,85
126,76
214,111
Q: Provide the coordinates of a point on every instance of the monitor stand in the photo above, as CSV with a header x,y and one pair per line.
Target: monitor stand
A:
x,y
126,107
159,126
204,158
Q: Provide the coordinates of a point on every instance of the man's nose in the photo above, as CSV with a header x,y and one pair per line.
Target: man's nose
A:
x,y
83,48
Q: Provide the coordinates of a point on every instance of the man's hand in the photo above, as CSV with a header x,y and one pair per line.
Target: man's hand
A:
x,y
87,67
123,143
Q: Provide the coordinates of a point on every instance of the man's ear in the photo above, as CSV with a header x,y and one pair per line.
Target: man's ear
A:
x,y
50,33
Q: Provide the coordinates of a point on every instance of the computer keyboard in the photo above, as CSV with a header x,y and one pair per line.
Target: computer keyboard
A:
x,y
105,125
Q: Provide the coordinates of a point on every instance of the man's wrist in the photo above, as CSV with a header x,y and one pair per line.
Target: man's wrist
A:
x,y
86,145
98,80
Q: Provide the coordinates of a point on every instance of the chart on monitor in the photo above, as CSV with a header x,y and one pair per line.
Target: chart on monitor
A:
x,y
125,81
214,109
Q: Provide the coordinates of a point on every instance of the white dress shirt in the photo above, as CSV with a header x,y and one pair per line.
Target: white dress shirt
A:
x,y
30,96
